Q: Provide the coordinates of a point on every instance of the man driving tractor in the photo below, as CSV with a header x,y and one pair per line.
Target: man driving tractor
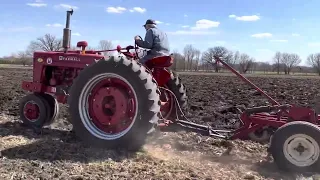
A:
x,y
155,40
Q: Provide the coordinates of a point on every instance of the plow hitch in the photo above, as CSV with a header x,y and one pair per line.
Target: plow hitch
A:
x,y
178,125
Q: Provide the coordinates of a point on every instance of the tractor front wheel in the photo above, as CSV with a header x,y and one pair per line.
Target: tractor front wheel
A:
x,y
53,105
34,110
114,103
295,146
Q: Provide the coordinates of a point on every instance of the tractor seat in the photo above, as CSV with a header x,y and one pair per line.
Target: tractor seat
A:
x,y
160,62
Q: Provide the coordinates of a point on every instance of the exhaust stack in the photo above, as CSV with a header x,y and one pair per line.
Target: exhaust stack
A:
x,y
67,32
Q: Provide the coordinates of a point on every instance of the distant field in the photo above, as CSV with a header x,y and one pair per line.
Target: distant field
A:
x,y
224,73
14,66
255,74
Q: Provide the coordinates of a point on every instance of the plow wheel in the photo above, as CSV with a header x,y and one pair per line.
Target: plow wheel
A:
x,y
114,104
34,111
295,146
168,110
262,135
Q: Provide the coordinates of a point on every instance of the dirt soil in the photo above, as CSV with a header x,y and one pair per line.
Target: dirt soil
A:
x,y
56,154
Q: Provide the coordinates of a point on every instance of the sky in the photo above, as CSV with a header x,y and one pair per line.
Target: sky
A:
x,y
256,27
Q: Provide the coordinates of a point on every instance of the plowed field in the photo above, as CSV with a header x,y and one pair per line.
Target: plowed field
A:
x,y
55,153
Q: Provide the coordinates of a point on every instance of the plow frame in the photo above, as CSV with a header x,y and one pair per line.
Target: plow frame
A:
x,y
251,119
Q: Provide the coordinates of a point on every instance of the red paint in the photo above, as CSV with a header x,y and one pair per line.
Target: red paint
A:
x,y
82,44
112,105
159,70
63,68
160,62
31,111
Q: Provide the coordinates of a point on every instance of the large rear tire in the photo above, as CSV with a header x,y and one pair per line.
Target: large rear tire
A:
x,y
114,103
295,146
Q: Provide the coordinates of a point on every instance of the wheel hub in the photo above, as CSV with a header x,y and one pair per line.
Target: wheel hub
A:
x,y
112,105
301,150
31,111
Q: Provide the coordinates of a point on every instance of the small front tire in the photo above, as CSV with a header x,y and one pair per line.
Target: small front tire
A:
x,y
34,111
53,105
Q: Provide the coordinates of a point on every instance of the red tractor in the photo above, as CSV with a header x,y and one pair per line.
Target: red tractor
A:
x,y
116,101
113,101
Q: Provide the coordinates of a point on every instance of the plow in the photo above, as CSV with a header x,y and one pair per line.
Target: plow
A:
x,y
116,102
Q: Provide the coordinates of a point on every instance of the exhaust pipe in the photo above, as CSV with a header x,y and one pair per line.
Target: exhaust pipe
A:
x,y
67,32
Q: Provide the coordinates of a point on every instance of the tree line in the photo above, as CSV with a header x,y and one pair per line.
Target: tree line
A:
x,y
47,42
190,59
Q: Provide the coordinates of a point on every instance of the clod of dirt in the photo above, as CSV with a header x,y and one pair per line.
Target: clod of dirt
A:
x,y
195,107
249,176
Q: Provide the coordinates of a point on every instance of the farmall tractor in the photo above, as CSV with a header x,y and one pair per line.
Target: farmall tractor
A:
x,y
115,102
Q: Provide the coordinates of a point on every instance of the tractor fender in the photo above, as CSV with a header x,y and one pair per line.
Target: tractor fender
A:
x,y
162,76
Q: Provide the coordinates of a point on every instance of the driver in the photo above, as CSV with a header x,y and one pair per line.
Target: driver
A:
x,y
155,40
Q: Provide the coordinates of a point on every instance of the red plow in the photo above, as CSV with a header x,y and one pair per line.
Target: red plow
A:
x,y
263,118
116,102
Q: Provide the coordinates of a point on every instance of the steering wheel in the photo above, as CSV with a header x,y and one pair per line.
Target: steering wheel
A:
x,y
136,47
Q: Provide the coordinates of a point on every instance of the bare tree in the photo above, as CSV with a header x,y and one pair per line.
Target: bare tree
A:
x,y
277,60
189,53
178,61
24,58
222,52
236,58
104,45
46,43
290,61
90,48
245,63
197,58
314,61
263,66
285,59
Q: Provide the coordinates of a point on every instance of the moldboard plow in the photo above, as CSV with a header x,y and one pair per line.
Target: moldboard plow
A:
x,y
115,102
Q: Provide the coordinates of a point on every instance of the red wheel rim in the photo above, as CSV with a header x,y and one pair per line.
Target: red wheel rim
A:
x,y
31,111
167,100
111,106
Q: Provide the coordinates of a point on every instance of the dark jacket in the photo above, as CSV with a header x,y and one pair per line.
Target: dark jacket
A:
x,y
155,40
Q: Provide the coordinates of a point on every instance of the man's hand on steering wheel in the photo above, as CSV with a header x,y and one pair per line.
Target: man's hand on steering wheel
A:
x,y
137,37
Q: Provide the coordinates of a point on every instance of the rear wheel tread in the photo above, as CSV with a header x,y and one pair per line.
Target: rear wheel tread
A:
x,y
141,81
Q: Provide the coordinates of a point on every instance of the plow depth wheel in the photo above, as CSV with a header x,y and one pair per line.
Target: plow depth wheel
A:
x,y
34,110
114,104
296,146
